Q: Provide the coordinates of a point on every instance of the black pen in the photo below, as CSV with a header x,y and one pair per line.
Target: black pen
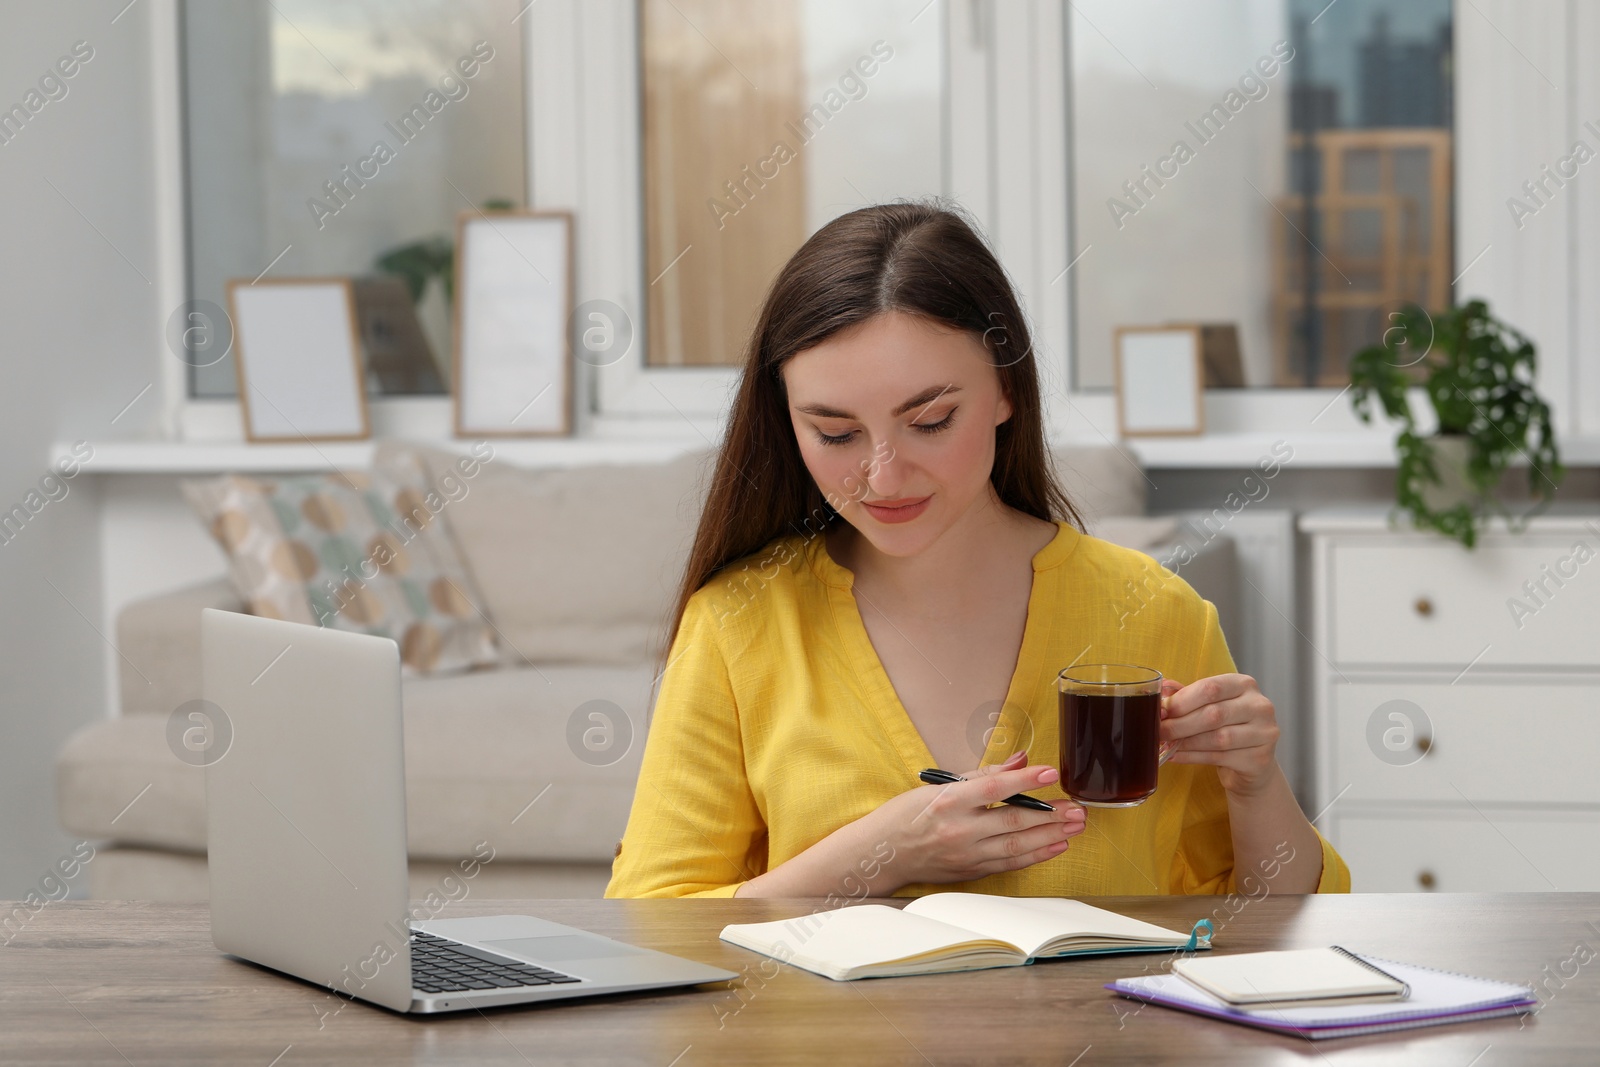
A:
x,y
934,776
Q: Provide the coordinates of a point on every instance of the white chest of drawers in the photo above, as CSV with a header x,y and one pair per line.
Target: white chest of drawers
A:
x,y
1456,703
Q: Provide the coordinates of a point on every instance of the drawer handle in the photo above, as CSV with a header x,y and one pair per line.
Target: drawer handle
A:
x,y
1424,743
1423,606
1426,879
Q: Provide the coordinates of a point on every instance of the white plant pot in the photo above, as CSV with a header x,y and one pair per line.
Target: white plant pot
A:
x,y
1450,455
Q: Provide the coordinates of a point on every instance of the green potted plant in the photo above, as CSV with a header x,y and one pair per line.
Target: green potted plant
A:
x,y
431,257
1478,373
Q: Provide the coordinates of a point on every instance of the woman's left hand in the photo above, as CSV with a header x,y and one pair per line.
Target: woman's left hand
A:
x,y
1227,722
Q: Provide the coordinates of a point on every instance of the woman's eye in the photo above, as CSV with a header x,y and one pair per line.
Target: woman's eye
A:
x,y
926,427
935,427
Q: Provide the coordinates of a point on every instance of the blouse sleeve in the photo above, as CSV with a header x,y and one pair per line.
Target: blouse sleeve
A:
x,y
694,829
1204,859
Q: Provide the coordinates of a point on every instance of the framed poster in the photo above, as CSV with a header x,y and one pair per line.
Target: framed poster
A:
x,y
298,356
1160,380
512,365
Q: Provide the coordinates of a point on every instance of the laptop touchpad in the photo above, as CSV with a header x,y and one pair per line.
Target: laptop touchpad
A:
x,y
562,947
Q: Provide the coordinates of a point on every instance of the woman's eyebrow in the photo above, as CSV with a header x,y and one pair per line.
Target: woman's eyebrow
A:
x,y
927,396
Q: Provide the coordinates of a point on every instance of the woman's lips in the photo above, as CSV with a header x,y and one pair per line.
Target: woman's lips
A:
x,y
900,514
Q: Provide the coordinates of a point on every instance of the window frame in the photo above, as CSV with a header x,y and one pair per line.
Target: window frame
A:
x,y
1508,121
1007,100
586,147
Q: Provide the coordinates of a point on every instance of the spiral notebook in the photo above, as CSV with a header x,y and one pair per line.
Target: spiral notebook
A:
x,y
1301,977
1431,998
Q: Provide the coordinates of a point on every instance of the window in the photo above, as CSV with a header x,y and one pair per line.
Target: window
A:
x,y
761,122
1282,165
325,136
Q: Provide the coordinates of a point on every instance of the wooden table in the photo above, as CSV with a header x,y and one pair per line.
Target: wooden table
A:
x,y
140,983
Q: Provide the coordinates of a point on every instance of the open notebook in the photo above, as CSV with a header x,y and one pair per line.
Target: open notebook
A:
x,y
954,932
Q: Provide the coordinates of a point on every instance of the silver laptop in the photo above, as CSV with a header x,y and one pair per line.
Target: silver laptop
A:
x,y
306,840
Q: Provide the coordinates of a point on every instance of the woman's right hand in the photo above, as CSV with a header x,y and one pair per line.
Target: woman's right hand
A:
x,y
949,833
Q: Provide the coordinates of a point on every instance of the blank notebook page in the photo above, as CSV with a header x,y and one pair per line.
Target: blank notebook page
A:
x,y
1031,922
852,936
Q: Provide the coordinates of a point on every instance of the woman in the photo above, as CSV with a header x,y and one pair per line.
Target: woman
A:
x,y
883,561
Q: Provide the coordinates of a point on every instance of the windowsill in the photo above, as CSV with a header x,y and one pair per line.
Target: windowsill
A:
x,y
657,441
1329,451
203,457
1246,427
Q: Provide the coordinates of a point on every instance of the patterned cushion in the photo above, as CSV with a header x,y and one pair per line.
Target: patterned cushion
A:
x,y
355,551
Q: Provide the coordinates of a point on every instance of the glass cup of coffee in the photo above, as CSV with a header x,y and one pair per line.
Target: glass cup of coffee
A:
x,y
1111,745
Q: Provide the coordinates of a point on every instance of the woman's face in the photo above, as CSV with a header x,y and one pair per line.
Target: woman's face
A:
x,y
911,407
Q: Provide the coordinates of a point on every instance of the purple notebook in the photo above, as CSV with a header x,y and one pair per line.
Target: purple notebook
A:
x,y
1436,997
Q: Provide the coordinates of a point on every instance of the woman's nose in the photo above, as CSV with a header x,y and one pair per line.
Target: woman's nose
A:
x,y
885,480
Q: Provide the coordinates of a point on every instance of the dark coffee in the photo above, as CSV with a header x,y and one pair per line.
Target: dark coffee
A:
x,y
1110,747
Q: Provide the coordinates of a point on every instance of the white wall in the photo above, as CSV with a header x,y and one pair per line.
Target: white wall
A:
x,y
1521,113
79,339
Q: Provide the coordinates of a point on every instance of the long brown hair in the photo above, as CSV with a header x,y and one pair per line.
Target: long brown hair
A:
x,y
921,258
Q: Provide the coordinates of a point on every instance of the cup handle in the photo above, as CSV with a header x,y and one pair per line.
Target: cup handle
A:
x,y
1166,748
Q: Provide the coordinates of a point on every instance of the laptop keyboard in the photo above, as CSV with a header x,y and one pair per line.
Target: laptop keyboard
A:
x,y
442,966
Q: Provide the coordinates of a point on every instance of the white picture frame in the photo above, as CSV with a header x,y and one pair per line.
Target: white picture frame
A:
x,y
1160,381
297,355
513,297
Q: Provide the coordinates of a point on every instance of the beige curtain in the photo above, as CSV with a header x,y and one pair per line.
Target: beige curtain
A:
x,y
724,177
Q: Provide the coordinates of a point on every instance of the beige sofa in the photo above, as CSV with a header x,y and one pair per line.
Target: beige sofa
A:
x,y
577,569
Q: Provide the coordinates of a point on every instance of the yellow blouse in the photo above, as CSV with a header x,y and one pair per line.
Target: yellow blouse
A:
x,y
776,724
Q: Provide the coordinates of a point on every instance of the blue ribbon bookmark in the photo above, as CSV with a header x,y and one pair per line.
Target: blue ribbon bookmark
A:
x,y
1197,939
